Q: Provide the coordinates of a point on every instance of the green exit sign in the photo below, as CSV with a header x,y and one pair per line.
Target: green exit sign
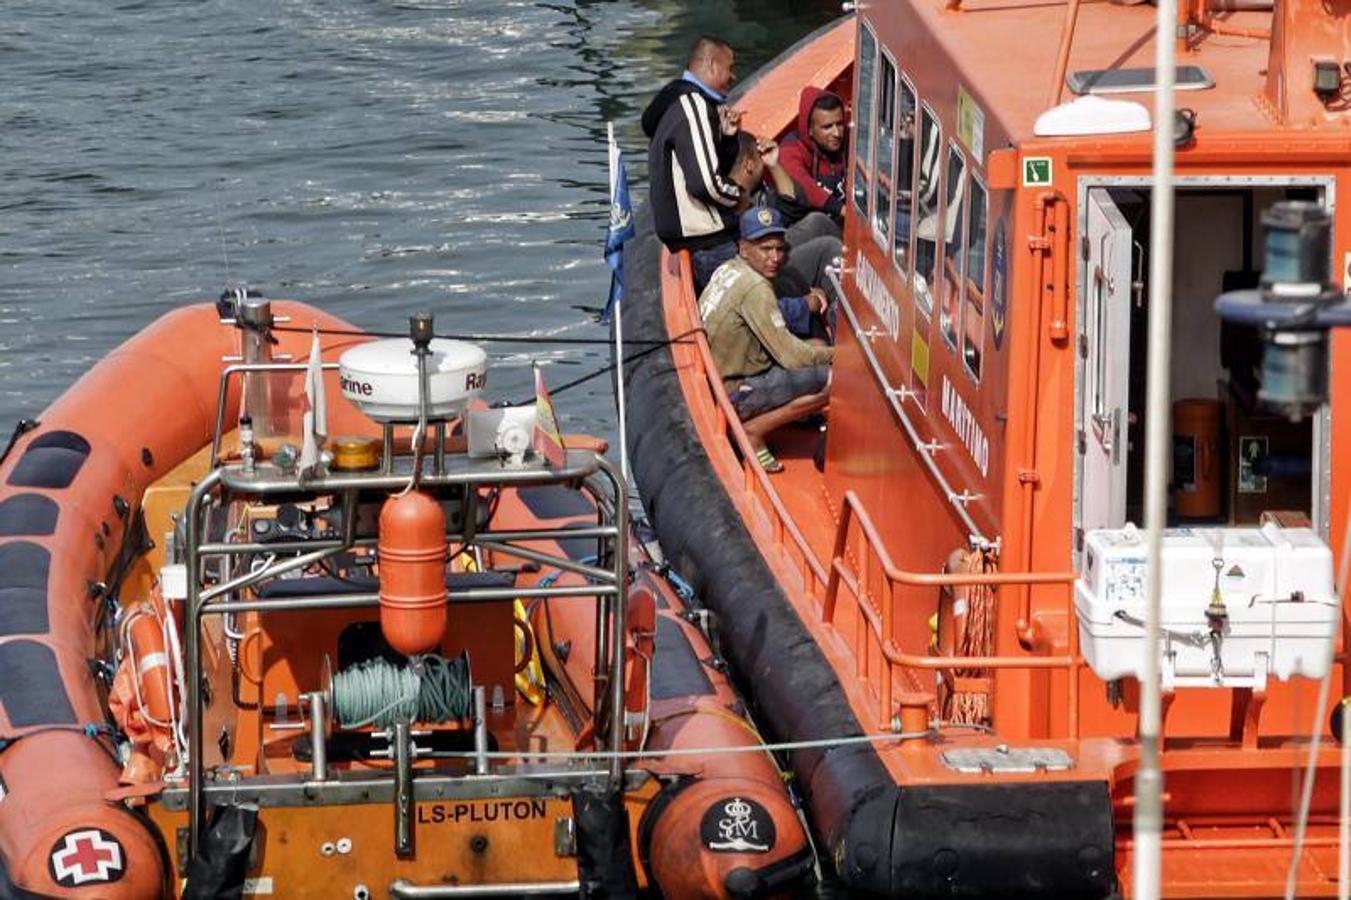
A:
x,y
1036,170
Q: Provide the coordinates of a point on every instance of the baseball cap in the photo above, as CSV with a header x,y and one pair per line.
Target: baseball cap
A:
x,y
759,221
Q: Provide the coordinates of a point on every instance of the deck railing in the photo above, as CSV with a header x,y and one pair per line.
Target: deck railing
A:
x,y
874,632
879,611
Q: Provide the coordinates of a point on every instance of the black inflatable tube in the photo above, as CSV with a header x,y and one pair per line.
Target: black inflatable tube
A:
x,y
794,689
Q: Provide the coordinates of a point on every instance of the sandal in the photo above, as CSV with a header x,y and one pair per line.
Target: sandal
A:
x,y
768,461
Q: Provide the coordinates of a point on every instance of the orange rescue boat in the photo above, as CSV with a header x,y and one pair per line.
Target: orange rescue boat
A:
x,y
232,664
956,575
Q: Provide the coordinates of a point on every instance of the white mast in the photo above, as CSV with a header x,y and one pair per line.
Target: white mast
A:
x,y
1149,777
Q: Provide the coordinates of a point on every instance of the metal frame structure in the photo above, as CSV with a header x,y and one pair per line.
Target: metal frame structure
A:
x,y
607,583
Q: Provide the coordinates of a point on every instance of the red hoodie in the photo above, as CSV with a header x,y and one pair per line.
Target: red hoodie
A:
x,y
804,161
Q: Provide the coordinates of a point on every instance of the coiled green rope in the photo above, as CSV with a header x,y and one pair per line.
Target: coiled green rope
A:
x,y
376,692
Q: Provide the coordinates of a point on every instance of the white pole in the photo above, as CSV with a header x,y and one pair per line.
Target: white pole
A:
x,y
1343,822
1149,777
619,321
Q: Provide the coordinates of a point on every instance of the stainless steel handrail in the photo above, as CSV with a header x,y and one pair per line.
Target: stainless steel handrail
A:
x,y
223,392
609,587
406,890
957,500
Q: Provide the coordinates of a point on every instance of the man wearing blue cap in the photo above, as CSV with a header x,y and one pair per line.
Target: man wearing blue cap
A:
x,y
772,377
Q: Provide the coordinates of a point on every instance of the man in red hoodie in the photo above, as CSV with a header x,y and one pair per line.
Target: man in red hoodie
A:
x,y
814,154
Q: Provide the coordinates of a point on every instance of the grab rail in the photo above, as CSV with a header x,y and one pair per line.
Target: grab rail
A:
x,y
957,501
223,390
881,623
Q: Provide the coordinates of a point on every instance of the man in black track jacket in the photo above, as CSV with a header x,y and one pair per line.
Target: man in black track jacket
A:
x,y
694,144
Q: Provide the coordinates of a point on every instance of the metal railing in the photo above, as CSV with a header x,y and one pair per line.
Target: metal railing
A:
x,y
596,475
879,613
823,581
755,481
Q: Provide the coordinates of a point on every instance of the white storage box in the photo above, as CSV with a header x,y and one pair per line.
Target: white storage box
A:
x,y
1277,588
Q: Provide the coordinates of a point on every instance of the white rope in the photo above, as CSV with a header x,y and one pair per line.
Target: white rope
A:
x,y
1324,689
181,683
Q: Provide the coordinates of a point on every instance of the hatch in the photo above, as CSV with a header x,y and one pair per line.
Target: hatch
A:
x,y
1145,78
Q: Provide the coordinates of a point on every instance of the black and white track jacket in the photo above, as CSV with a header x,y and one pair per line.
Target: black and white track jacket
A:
x,y
693,201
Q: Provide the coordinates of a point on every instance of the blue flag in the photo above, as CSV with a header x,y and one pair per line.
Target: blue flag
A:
x,y
621,226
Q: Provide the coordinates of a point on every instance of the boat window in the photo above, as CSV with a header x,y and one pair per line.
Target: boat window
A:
x,y
905,175
973,331
886,132
863,127
951,285
926,210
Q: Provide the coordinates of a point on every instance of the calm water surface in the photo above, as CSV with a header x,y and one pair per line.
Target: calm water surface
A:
x,y
371,158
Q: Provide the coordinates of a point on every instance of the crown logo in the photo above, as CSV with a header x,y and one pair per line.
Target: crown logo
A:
x,y
738,809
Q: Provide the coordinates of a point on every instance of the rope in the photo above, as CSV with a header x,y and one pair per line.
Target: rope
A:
x,y
657,345
972,614
489,338
652,347
549,579
684,590
782,747
376,692
91,730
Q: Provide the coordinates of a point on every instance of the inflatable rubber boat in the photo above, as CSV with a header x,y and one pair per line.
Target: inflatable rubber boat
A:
x,y
270,628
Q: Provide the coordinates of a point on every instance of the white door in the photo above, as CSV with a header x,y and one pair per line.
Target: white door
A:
x,y
1105,336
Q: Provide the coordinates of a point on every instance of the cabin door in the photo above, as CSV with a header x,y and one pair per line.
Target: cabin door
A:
x,y
1105,335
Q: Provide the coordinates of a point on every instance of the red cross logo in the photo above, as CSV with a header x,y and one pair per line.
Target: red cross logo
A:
x,y
83,857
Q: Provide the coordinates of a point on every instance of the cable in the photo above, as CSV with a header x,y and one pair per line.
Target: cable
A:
x,y
485,338
555,391
1324,689
90,730
785,746
652,346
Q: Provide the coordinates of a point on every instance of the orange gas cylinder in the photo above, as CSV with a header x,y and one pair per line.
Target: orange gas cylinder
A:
x,y
413,573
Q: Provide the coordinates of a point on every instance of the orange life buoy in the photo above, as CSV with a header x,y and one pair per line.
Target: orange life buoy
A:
x,y
154,676
144,695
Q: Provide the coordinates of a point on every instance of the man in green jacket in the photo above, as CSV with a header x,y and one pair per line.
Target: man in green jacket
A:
x,y
771,376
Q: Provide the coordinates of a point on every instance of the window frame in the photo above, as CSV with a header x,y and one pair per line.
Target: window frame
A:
x,y
885,220
973,297
926,110
908,271
954,149
863,157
